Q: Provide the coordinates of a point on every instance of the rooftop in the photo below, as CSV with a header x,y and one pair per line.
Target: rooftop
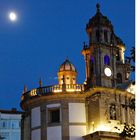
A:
x,y
12,111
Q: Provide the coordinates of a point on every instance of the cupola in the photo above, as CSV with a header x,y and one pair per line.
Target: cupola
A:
x,y
67,73
100,28
99,19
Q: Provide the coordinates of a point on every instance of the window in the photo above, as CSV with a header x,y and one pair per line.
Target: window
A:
x,y
112,38
118,55
97,35
19,123
91,58
4,124
105,36
113,112
91,63
54,116
119,78
15,124
106,60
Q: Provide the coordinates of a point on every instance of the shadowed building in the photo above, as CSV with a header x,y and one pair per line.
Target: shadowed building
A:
x,y
10,124
95,110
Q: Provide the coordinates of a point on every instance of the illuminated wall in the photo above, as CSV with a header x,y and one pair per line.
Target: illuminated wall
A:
x,y
54,133
76,132
77,116
77,112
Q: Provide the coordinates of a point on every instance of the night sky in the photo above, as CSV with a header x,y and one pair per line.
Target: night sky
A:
x,y
45,34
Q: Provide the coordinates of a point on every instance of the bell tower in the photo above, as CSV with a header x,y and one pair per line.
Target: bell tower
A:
x,y
104,54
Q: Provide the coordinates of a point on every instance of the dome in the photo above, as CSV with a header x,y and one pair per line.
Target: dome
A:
x,y
99,19
67,66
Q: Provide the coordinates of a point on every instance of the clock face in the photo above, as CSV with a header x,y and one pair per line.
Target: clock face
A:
x,y
107,71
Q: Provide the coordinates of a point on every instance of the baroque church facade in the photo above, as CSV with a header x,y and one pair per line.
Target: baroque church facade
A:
x,y
95,110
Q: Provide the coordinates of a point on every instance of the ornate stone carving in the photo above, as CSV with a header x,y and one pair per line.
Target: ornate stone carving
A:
x,y
113,112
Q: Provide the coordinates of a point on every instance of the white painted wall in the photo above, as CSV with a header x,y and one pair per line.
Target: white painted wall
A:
x,y
77,112
53,105
54,133
76,132
11,130
36,134
35,117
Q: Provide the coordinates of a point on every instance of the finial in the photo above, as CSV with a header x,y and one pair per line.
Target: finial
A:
x,y
67,58
98,7
40,82
84,45
25,88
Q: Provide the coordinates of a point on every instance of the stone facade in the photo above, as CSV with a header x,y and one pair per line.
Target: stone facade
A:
x,y
106,111
95,110
96,102
105,50
48,103
100,135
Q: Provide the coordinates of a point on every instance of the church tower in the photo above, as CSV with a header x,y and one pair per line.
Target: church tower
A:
x,y
100,109
104,55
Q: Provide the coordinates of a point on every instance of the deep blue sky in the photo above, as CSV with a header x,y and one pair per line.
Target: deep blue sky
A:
x,y
46,32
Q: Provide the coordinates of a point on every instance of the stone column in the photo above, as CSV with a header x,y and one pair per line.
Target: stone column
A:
x,y
43,123
65,120
87,122
128,111
26,127
29,136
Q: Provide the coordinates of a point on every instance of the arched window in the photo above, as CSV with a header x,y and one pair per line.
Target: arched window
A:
x,y
106,60
97,35
91,63
118,55
119,78
105,36
91,58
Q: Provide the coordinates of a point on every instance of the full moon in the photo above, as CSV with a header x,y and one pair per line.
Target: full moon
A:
x,y
12,16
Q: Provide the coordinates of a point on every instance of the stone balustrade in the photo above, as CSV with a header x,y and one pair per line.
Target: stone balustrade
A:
x,y
52,89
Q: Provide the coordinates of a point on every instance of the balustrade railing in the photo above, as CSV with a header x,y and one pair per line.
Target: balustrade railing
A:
x,y
53,89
